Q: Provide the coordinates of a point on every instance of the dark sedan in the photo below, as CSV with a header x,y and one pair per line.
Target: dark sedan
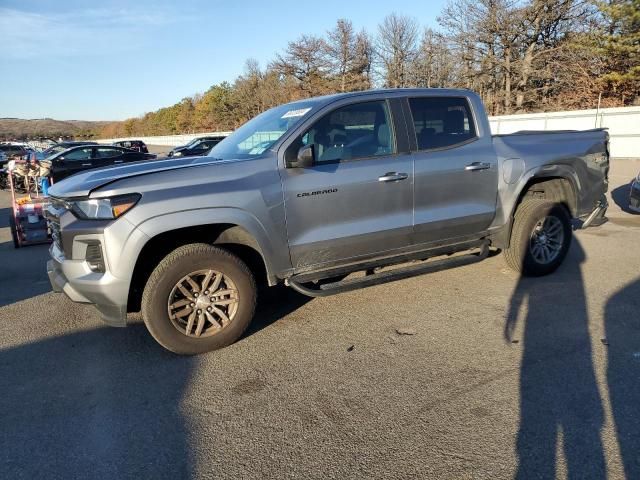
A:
x,y
138,145
196,147
59,147
78,159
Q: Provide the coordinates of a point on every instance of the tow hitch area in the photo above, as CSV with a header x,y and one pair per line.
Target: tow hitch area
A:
x,y
597,218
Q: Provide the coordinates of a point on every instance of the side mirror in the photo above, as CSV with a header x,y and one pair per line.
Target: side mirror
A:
x,y
306,157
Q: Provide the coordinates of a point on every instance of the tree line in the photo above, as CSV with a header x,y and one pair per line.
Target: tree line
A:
x,y
519,55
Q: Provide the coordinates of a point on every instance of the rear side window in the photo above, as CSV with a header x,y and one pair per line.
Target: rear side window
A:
x,y
107,152
79,154
441,122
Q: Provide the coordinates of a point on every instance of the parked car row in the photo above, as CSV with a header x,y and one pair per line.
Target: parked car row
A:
x,y
86,157
70,157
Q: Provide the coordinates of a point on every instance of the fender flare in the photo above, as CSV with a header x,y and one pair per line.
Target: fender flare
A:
x,y
502,237
550,172
245,229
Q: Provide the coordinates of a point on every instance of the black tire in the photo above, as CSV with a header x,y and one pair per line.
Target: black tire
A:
x,y
14,231
519,256
179,263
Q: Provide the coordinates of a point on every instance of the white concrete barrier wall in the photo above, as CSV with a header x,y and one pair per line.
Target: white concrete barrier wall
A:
x,y
623,124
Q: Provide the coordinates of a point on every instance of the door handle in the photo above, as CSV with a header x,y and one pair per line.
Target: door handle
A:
x,y
118,161
392,177
477,166
87,164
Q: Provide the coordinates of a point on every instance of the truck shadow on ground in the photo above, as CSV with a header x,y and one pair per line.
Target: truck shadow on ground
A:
x,y
5,214
274,303
560,402
104,403
23,272
620,196
622,329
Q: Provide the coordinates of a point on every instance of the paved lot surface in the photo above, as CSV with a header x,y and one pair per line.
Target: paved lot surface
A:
x,y
160,150
503,377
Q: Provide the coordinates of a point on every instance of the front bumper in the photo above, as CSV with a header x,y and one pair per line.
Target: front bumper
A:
x,y
634,196
80,284
69,271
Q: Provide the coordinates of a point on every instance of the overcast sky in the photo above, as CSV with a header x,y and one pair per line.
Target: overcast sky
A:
x,y
112,59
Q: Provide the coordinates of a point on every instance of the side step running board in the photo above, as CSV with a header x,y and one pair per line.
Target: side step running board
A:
x,y
323,290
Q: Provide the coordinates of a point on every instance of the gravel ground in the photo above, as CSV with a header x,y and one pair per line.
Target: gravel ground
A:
x,y
494,377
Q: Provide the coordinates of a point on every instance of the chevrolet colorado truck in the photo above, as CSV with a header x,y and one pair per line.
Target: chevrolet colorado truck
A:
x,y
324,195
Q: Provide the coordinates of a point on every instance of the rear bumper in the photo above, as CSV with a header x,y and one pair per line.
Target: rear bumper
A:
x,y
80,284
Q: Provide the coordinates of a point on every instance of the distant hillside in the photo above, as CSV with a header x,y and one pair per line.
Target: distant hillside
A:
x,y
17,128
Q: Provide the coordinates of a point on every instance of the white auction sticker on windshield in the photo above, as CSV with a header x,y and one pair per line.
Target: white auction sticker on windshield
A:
x,y
295,113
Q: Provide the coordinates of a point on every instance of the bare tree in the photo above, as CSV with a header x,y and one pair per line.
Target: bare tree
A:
x,y
506,47
363,61
341,45
519,55
305,60
396,48
434,64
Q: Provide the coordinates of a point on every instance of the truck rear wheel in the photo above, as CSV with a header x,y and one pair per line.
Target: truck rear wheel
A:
x,y
540,238
199,298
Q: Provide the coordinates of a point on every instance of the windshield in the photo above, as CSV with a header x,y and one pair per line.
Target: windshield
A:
x,y
192,142
53,150
260,133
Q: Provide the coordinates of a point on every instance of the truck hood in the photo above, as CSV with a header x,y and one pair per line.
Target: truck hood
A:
x,y
82,184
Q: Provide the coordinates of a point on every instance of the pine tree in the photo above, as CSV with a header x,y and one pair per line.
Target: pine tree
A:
x,y
619,42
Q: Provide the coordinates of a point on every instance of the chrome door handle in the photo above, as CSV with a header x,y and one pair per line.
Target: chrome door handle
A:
x,y
118,161
392,177
87,164
477,166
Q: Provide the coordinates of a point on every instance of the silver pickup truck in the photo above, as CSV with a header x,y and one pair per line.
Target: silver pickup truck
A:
x,y
324,195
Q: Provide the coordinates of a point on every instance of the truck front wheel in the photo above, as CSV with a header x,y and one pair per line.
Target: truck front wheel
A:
x,y
540,238
199,298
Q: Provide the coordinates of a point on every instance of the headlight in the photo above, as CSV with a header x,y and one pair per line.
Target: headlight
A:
x,y
104,208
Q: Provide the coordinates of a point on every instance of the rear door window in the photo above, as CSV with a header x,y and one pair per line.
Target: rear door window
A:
x,y
107,152
442,122
78,155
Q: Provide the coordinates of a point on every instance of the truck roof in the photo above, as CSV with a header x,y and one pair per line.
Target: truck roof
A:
x,y
407,91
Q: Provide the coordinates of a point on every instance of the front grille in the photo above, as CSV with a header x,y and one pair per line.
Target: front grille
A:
x,y
52,213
